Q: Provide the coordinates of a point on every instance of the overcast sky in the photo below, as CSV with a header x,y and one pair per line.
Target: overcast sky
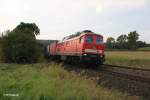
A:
x,y
58,18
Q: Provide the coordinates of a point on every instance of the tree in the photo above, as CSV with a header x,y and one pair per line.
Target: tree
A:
x,y
132,40
20,45
122,42
110,42
0,39
141,44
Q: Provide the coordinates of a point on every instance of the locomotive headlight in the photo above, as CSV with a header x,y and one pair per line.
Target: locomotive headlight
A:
x,y
85,54
100,51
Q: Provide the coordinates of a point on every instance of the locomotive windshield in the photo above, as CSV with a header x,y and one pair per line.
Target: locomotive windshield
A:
x,y
89,39
99,40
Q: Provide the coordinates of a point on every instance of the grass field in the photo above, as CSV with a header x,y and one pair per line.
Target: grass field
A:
x,y
144,49
50,82
134,59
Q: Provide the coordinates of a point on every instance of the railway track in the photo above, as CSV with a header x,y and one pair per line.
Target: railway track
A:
x,y
113,77
137,74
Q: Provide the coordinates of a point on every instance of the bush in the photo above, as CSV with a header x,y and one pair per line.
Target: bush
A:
x,y
20,45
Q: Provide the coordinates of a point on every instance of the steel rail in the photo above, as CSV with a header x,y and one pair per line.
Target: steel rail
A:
x,y
137,74
126,67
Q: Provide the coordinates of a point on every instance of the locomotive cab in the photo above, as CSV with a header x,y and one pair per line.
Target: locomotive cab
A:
x,y
93,49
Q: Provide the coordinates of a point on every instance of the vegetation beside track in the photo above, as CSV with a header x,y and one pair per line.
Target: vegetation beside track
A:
x,y
144,49
128,58
50,82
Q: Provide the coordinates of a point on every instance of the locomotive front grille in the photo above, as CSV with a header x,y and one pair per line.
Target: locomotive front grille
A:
x,y
93,56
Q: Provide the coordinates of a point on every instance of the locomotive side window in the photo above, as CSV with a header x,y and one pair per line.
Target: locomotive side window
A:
x,y
89,39
99,40
81,40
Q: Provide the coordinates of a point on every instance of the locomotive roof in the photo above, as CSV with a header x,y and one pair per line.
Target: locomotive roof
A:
x,y
82,34
89,33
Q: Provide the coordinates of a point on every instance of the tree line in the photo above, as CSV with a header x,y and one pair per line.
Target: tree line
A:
x,y
126,42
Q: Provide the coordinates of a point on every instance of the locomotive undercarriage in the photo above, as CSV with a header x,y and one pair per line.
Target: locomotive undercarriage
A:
x,y
88,59
92,59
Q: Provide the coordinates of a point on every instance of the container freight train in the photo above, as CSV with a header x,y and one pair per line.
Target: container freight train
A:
x,y
86,47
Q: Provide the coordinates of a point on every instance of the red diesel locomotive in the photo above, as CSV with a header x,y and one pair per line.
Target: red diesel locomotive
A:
x,y
88,47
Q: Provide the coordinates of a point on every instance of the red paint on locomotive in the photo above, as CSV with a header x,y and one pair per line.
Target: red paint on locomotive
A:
x,y
87,47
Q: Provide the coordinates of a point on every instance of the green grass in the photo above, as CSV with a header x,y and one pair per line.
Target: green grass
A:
x,y
134,59
144,49
50,82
